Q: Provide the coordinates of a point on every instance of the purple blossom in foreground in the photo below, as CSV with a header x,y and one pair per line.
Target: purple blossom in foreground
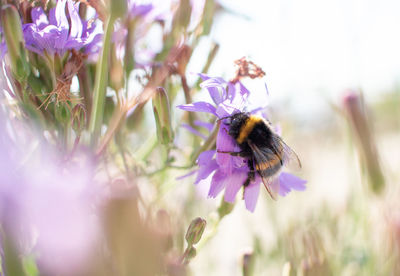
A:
x,y
46,203
60,31
226,171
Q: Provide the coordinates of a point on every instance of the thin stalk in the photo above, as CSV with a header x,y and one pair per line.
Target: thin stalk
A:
x,y
188,99
85,88
101,80
210,59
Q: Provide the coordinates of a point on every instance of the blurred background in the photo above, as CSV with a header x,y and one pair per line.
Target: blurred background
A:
x,y
312,50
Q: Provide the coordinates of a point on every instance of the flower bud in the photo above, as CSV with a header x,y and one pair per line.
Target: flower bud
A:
x,y
62,112
248,263
162,116
195,231
355,109
78,118
116,71
12,28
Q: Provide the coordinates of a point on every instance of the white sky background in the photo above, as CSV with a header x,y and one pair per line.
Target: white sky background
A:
x,y
312,50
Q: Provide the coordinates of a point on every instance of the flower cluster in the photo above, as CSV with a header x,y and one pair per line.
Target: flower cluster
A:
x,y
227,171
60,31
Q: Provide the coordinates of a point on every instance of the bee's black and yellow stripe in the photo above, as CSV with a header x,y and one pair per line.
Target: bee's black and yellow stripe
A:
x,y
257,141
252,129
247,127
270,167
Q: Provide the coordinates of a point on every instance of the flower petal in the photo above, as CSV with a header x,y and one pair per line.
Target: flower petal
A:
x,y
198,107
205,157
251,193
203,76
206,165
266,88
52,16
60,16
226,108
206,125
217,183
259,110
135,9
205,170
194,131
212,81
225,143
39,17
233,184
186,175
290,182
76,22
243,90
215,87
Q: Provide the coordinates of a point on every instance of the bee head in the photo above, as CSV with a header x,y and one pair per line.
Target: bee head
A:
x,y
235,122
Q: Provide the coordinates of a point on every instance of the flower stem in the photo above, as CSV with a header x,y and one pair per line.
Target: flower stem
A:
x,y
85,87
188,99
101,79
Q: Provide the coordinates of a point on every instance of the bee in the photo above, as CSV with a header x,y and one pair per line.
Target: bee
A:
x,y
265,151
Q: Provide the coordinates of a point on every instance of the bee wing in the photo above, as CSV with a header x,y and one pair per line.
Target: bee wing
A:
x,y
288,157
266,162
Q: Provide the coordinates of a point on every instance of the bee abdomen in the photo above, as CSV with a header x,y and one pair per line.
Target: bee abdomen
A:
x,y
269,168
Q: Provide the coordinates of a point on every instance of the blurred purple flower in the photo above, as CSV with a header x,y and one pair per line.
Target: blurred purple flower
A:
x,y
60,31
149,12
145,11
3,46
137,8
226,171
46,203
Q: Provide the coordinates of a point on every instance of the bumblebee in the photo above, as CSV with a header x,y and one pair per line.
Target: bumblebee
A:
x,y
264,150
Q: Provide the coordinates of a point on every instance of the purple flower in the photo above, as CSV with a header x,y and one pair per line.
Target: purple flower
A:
x,y
46,203
136,8
3,45
147,14
60,31
224,170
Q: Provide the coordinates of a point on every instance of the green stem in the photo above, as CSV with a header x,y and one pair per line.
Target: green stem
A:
x,y
85,88
96,118
147,148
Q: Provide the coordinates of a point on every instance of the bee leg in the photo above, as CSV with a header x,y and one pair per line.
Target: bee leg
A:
x,y
234,153
251,174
